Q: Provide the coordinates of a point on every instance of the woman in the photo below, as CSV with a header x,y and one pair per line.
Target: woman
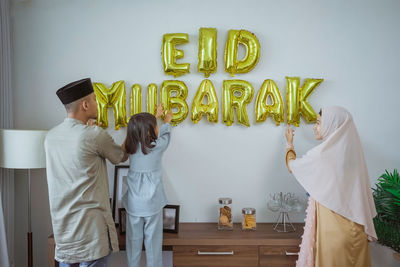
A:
x,y
339,217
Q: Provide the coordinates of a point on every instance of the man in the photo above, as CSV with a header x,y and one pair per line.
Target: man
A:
x,y
76,153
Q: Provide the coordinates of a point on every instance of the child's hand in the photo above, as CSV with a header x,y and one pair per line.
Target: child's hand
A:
x,y
168,116
160,110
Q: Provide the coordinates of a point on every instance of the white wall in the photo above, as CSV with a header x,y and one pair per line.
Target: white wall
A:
x,y
352,45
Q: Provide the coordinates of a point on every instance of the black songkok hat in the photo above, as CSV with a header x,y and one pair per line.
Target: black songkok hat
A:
x,y
75,90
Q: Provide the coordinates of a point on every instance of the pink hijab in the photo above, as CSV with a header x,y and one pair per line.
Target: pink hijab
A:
x,y
335,174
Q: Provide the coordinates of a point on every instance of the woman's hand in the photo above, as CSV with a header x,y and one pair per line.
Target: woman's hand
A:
x,y
289,135
168,116
160,110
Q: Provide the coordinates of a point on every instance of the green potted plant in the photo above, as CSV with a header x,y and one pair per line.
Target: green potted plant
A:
x,y
387,203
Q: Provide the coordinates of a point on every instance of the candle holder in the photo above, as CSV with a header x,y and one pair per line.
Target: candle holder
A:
x,y
285,203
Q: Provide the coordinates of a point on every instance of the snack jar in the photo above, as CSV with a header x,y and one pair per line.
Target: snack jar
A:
x,y
225,214
249,219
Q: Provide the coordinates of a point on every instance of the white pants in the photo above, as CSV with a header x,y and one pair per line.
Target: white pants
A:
x,y
151,230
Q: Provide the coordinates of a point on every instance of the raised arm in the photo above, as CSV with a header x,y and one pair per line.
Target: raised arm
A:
x,y
164,135
107,148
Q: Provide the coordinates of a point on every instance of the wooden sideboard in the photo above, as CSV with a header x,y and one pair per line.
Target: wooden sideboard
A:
x,y
201,244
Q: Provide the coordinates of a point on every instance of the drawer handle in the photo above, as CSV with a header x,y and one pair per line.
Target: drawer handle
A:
x,y
215,253
291,253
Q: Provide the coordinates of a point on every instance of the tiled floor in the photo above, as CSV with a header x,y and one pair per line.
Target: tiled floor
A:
x,y
119,259
380,257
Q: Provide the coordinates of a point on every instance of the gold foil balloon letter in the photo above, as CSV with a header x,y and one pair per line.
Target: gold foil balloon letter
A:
x,y
136,99
169,54
207,51
206,89
252,46
114,97
263,109
236,94
297,100
152,99
173,97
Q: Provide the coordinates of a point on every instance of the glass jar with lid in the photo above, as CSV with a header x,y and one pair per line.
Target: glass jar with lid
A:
x,y
225,214
249,219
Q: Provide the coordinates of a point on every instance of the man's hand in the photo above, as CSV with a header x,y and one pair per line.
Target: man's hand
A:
x,y
126,155
124,145
92,122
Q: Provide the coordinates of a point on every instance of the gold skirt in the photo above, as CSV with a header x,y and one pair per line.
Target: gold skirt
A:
x,y
339,241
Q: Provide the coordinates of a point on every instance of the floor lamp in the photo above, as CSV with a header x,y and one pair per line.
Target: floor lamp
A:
x,y
23,149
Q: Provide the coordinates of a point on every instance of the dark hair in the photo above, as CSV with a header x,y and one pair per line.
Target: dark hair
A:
x,y
141,129
320,112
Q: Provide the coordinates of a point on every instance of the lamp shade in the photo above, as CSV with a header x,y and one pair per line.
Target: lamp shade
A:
x,y
22,149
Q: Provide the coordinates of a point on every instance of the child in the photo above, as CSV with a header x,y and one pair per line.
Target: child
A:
x,y
145,198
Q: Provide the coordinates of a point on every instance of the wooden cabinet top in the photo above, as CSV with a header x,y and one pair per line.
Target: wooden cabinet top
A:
x,y
207,234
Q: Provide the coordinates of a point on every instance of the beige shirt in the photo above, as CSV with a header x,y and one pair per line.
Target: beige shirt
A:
x,y
79,192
